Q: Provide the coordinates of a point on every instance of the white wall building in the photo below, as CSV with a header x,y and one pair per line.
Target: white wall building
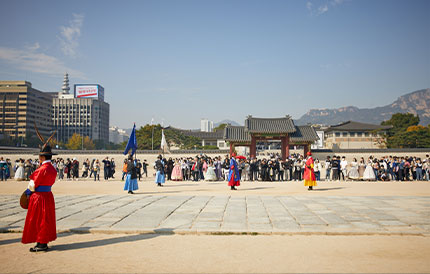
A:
x,y
117,135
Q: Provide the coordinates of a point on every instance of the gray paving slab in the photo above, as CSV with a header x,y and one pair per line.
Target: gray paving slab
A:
x,y
230,214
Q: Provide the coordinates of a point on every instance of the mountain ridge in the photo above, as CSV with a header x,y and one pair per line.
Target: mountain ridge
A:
x,y
416,102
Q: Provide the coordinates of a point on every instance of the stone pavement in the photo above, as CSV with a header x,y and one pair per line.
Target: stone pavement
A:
x,y
331,215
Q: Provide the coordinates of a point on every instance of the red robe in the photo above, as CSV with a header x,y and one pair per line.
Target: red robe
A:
x,y
40,223
309,175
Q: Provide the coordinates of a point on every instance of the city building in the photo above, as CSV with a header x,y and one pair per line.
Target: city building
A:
x,y
355,135
21,106
84,112
117,135
206,125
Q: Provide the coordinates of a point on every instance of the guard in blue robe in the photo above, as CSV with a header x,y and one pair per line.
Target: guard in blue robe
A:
x,y
160,175
233,174
131,179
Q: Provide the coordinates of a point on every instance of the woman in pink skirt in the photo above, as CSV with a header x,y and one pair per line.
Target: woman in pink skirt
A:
x,y
177,171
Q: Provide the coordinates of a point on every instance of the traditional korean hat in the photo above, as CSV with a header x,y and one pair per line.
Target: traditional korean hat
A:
x,y
309,153
45,149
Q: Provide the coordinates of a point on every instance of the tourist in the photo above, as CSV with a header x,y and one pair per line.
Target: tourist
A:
x,y
369,174
343,168
419,170
309,175
169,166
85,168
96,170
139,169
112,168
353,172
40,222
317,170
210,173
145,167
20,173
106,168
233,175
75,169
131,179
60,168
335,165
327,167
124,169
3,169
176,174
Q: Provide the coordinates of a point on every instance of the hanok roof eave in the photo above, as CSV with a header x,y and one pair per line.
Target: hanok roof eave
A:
x,y
304,134
236,134
356,126
270,125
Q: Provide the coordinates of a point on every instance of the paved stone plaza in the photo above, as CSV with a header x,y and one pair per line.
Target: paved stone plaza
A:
x,y
187,214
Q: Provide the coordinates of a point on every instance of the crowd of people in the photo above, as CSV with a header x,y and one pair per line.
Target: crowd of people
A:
x,y
335,168
202,167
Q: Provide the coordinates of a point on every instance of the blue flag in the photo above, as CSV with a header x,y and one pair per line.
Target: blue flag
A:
x,y
132,143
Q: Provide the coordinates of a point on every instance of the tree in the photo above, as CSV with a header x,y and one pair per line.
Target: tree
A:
x,y
220,127
401,121
406,133
88,143
75,142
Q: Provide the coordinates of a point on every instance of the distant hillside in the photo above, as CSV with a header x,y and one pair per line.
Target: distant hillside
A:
x,y
233,123
417,102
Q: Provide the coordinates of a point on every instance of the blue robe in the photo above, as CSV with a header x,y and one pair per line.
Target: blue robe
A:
x,y
233,174
130,184
160,176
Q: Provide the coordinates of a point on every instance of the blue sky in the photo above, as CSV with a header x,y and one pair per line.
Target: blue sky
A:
x,y
180,61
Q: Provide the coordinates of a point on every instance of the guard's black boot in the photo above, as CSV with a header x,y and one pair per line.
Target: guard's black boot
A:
x,y
39,248
232,187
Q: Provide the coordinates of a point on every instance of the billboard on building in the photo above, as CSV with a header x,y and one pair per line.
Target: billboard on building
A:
x,y
89,91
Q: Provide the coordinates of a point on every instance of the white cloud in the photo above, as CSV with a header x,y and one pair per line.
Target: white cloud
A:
x,y
31,60
322,9
69,35
309,6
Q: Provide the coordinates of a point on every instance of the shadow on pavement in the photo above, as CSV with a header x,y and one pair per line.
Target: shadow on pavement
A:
x,y
104,242
325,189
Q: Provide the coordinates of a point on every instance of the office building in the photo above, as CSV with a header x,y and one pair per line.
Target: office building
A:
x,y
84,112
21,106
206,125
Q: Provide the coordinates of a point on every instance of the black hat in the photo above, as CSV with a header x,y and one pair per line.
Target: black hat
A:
x,y
45,149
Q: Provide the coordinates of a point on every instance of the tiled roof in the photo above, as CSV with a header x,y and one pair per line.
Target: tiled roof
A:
x,y
236,134
304,134
239,134
356,126
269,125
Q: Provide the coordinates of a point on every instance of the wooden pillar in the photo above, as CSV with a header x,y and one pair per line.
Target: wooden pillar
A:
x,y
287,147
253,147
284,148
231,148
305,150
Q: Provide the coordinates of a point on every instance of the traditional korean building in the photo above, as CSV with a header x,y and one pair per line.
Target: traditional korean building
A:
x,y
264,129
355,135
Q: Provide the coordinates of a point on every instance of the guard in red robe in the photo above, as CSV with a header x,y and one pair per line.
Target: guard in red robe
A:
x,y
309,175
233,175
40,223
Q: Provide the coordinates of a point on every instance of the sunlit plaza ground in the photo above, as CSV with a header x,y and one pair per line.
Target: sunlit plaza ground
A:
x,y
206,227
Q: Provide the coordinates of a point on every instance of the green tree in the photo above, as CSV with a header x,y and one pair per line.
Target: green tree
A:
x,y
220,127
401,121
406,133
